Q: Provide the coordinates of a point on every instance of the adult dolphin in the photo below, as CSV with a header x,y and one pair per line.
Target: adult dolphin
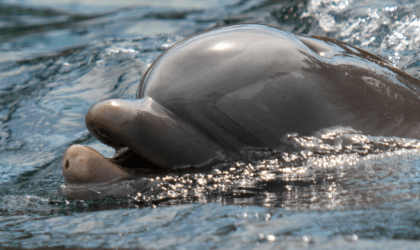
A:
x,y
219,93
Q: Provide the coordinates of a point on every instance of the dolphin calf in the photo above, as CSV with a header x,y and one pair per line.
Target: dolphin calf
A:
x,y
220,93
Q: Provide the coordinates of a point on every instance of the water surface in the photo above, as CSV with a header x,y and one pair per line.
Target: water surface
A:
x,y
60,57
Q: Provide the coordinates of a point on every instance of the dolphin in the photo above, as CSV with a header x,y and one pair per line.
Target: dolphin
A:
x,y
219,94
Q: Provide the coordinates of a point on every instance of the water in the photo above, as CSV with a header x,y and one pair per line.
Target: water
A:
x,y
60,57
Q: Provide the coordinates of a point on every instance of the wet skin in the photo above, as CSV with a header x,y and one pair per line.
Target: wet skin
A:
x,y
217,94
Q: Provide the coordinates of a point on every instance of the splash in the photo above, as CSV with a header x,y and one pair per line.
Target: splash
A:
x,y
390,27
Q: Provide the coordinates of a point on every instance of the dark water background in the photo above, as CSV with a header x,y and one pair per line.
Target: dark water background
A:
x,y
57,58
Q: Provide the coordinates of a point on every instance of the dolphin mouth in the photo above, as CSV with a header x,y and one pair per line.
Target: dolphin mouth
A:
x,y
109,122
122,157
133,163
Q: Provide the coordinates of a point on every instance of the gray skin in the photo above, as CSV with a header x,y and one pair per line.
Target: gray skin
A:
x,y
217,94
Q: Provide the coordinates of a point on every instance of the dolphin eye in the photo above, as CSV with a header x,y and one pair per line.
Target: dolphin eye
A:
x,y
67,165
